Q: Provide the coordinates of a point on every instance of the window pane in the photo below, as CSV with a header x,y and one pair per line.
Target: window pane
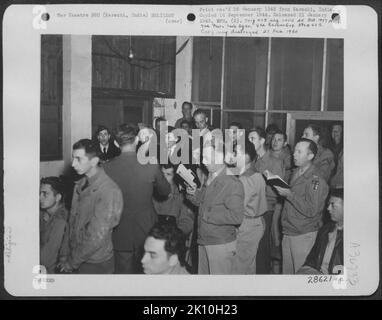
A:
x,y
335,75
207,68
50,147
51,98
278,119
247,119
296,74
245,73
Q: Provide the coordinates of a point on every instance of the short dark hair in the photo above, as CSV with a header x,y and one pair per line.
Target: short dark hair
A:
x,y
250,150
282,133
174,239
316,129
126,134
102,128
200,111
272,128
56,184
311,146
236,124
167,166
88,146
187,103
260,131
337,193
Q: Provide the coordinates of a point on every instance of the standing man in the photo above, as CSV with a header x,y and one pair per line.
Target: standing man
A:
x,y
187,115
107,149
53,221
255,205
137,182
265,161
221,208
96,209
304,202
324,160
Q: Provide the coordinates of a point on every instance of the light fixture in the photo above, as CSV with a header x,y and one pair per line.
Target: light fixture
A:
x,y
131,53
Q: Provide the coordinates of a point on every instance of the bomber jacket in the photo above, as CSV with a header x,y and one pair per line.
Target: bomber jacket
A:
x,y
95,211
221,209
302,212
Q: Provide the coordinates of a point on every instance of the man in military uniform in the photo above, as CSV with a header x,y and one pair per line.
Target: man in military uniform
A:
x,y
324,159
304,202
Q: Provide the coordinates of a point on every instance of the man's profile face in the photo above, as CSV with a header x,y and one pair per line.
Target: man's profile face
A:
x,y
103,137
201,121
155,259
302,154
81,163
48,198
278,142
309,134
168,174
255,139
336,209
337,133
187,111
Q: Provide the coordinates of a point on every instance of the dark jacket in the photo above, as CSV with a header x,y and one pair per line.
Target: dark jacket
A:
x,y
137,182
112,152
316,255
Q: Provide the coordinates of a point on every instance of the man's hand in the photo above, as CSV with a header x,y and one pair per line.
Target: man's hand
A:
x,y
284,192
190,189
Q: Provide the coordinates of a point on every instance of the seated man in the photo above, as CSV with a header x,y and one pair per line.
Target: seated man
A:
x,y
164,250
53,221
327,253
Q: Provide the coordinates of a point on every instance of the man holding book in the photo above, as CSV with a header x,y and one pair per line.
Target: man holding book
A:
x,y
304,202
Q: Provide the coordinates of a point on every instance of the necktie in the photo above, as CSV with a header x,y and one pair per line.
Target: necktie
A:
x,y
104,150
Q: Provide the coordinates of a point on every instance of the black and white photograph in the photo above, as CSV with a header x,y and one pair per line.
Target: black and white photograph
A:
x,y
190,155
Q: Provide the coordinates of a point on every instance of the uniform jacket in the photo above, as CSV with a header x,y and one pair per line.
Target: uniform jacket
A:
x,y
95,211
302,210
52,230
324,162
175,206
316,255
137,182
221,208
274,165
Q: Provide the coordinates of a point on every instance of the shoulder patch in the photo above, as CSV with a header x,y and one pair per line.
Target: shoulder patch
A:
x,y
315,182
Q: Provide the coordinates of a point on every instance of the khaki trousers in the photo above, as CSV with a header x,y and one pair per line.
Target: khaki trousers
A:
x,y
217,259
248,238
295,249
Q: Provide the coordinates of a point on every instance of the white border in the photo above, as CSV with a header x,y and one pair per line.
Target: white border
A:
x,y
21,101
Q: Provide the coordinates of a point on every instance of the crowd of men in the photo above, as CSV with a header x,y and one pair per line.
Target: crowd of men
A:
x,y
127,216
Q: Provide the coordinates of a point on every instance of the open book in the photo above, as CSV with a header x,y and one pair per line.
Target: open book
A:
x,y
274,180
188,176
